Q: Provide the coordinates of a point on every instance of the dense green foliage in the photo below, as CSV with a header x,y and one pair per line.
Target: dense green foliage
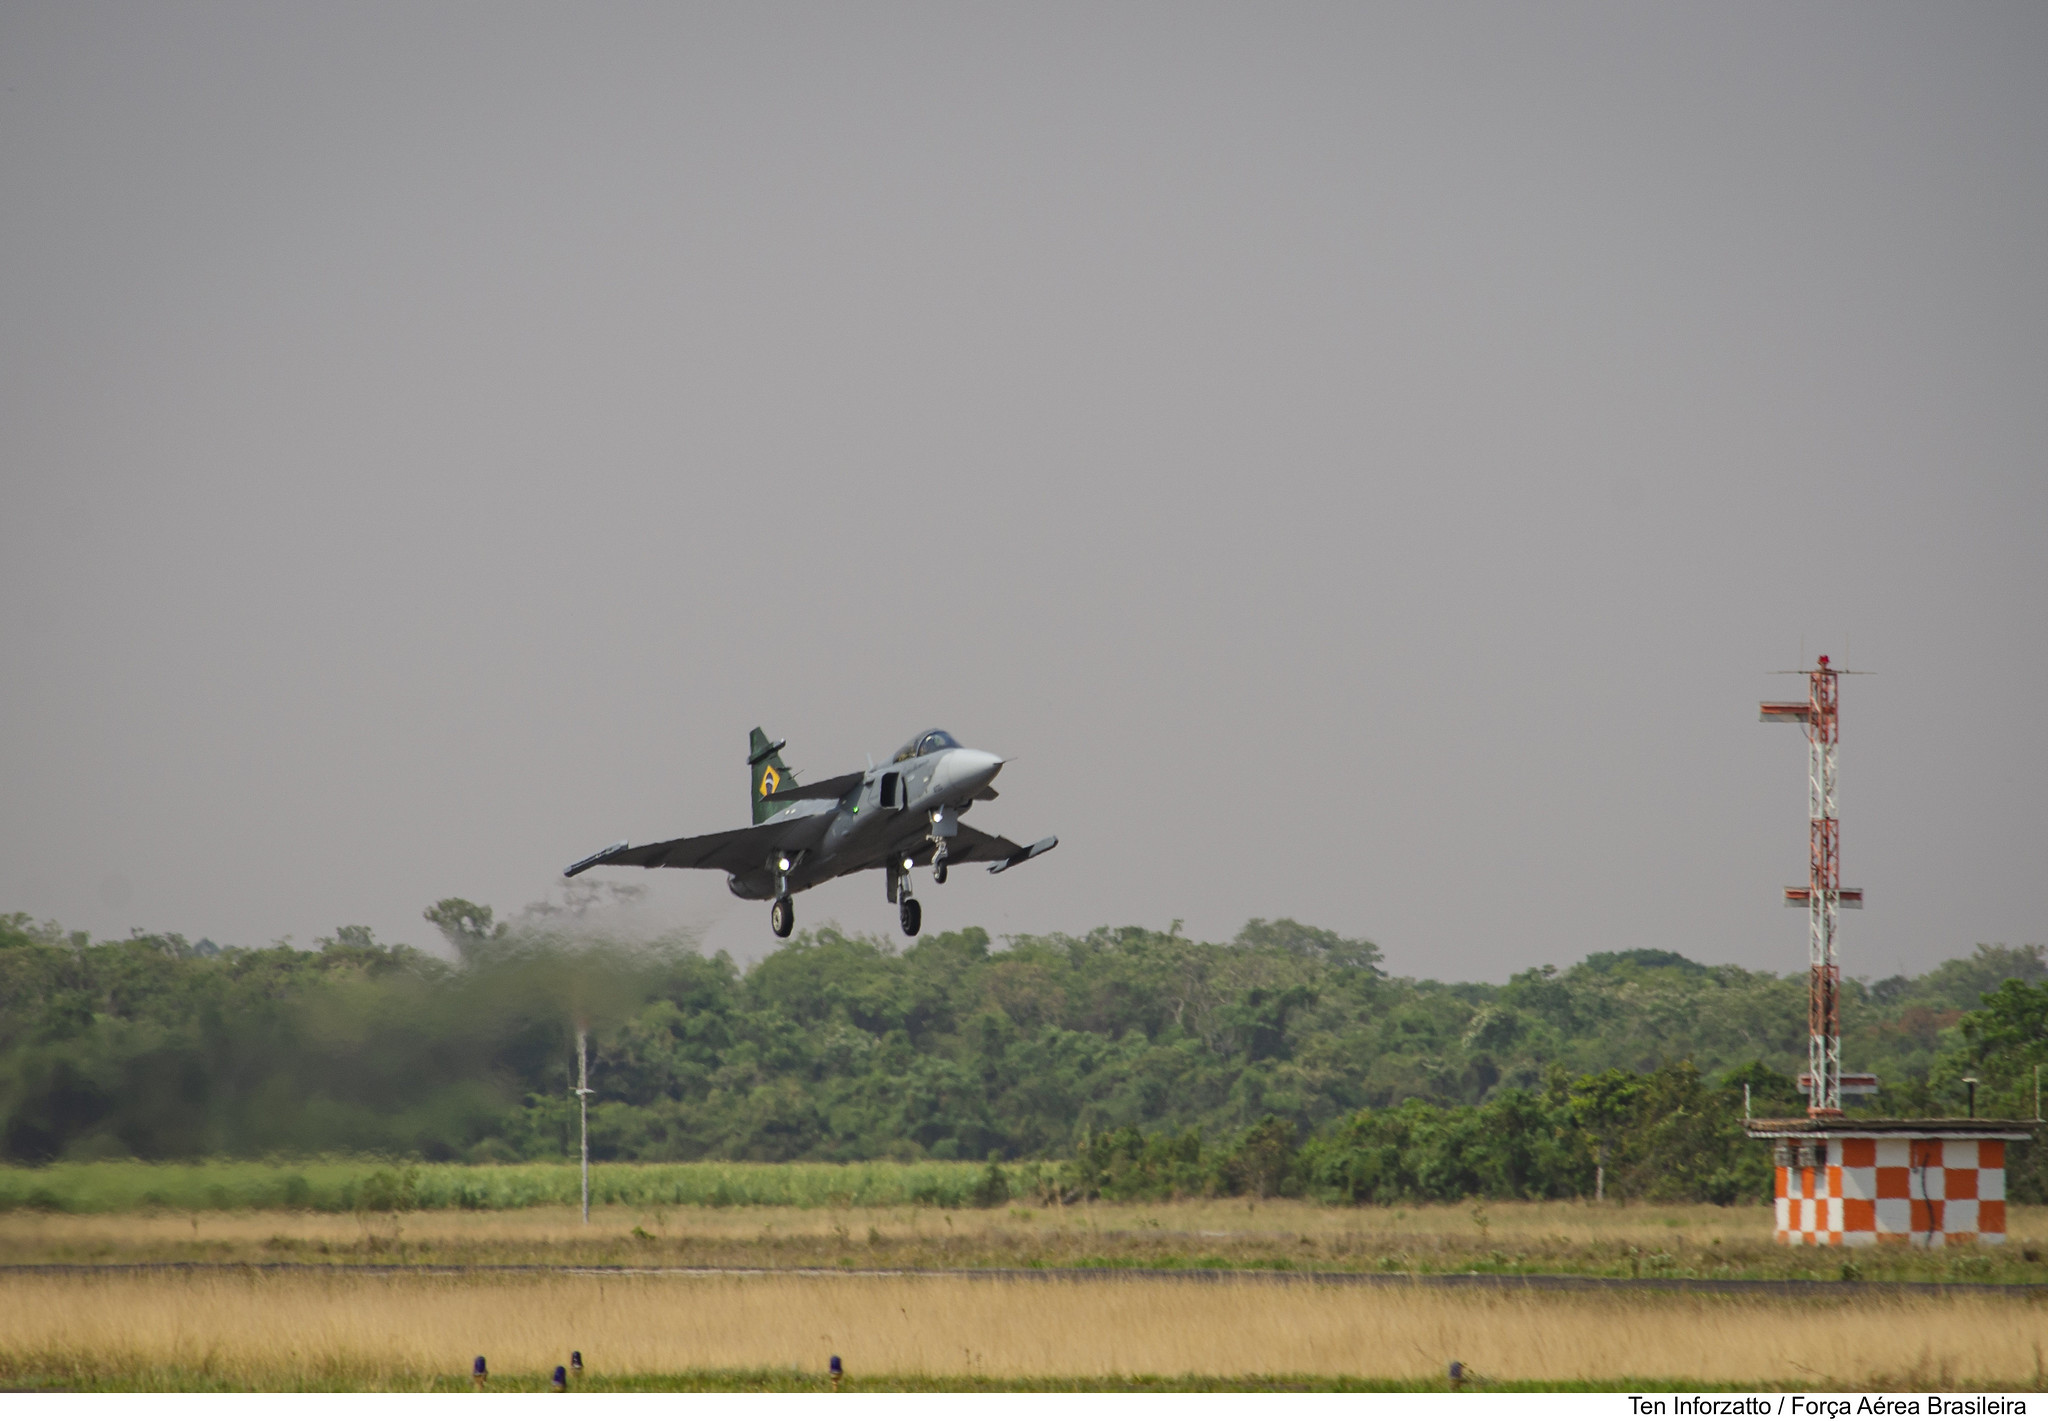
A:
x,y
370,1186
1282,1060
1664,1134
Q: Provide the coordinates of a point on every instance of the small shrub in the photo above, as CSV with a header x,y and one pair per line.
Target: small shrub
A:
x,y
993,1188
390,1191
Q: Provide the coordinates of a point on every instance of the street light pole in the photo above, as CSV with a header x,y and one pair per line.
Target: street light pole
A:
x,y
583,1109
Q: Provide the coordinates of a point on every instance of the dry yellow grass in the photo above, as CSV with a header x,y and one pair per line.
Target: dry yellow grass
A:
x,y
253,1330
1499,1223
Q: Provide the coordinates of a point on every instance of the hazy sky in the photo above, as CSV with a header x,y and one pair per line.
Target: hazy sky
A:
x,y
1359,460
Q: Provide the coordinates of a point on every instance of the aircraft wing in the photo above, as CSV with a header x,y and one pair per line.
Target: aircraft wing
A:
x,y
970,845
733,851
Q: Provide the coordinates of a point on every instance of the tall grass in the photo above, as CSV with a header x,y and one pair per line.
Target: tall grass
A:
x,y
342,1185
340,1332
1643,1241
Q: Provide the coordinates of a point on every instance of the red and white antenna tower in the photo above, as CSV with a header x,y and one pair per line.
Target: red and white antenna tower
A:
x,y
1823,896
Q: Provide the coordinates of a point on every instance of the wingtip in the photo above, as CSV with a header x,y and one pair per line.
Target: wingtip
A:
x,y
1043,846
593,860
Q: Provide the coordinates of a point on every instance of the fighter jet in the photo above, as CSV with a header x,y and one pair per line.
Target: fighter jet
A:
x,y
895,817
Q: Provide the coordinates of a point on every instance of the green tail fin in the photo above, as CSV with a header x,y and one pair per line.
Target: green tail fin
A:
x,y
764,765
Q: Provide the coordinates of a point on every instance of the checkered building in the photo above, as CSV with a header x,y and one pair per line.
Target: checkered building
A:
x,y
1838,1184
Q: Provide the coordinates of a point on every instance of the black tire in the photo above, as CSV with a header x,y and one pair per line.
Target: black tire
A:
x,y
911,912
939,871
782,917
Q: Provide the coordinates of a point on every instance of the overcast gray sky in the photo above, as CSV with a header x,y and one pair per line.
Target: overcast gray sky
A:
x,y
1360,461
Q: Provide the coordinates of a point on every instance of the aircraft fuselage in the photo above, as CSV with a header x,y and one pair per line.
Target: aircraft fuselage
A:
x,y
895,813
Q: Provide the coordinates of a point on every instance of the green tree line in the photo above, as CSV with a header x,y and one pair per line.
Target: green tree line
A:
x,y
1125,1060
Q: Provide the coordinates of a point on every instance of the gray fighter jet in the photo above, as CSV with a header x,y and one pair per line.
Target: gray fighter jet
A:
x,y
895,817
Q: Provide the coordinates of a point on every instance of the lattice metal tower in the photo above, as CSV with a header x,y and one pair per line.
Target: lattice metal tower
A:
x,y
1823,896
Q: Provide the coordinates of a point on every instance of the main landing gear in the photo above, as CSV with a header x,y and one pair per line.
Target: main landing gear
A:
x,y
909,912
782,917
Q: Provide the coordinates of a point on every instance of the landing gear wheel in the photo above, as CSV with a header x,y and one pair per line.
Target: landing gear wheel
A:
x,y
782,917
939,869
911,912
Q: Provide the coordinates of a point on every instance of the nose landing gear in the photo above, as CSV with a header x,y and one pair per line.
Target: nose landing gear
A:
x,y
945,824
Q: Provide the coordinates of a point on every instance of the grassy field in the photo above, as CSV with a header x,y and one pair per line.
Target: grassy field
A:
x,y
412,1331
346,1185
271,1330
1566,1237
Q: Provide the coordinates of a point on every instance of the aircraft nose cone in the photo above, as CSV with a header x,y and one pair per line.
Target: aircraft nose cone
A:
x,y
967,770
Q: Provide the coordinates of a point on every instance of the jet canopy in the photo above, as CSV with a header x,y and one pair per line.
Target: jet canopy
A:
x,y
925,744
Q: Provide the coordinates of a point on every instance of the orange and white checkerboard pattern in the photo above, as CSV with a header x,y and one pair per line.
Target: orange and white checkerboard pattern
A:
x,y
1925,1192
